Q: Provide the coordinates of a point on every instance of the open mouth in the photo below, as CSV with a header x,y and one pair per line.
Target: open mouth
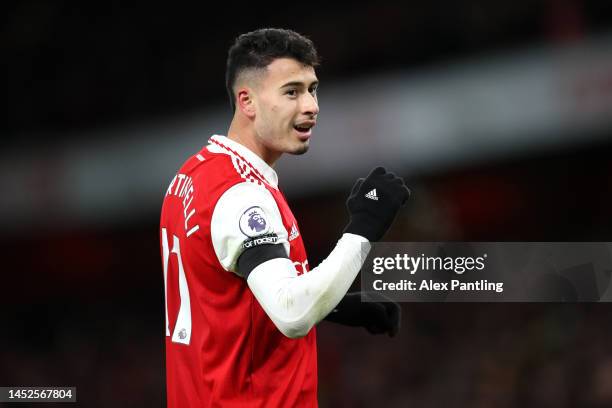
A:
x,y
304,130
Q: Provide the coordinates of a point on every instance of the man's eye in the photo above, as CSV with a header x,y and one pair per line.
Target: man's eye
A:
x,y
313,91
291,92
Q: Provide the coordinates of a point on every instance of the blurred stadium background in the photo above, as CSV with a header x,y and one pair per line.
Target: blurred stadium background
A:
x,y
498,114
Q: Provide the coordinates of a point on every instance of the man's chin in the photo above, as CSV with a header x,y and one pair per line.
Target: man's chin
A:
x,y
303,148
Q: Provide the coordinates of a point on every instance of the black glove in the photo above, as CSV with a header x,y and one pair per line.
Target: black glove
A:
x,y
374,203
377,317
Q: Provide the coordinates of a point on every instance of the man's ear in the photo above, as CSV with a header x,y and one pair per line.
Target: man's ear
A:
x,y
245,102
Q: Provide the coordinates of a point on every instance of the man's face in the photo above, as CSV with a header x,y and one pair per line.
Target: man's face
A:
x,y
286,107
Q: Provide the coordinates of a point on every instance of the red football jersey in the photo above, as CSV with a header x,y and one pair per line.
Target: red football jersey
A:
x,y
222,350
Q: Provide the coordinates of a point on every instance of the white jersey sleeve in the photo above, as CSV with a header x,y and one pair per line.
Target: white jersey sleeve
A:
x,y
296,303
245,216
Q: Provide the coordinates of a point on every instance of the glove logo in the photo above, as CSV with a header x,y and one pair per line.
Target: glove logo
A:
x,y
253,222
372,195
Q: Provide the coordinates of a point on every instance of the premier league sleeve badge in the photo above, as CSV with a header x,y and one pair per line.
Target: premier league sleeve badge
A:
x,y
253,222
255,225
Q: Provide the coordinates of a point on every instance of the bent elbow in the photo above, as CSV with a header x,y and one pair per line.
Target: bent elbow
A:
x,y
295,330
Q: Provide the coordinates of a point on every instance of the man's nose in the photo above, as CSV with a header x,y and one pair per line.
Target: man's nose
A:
x,y
310,106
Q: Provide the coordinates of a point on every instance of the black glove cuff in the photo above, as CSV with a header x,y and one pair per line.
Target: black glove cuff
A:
x,y
348,311
364,226
375,317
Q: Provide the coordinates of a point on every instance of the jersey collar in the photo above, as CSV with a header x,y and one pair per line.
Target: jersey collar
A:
x,y
254,160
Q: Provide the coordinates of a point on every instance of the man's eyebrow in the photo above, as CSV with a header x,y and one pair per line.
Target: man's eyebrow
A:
x,y
298,83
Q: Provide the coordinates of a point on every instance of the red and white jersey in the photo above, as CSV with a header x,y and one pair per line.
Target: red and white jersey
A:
x,y
222,350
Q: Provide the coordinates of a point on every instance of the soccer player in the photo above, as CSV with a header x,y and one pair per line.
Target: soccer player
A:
x,y
241,300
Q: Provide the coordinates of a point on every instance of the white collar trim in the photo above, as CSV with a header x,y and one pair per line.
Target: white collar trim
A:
x,y
254,160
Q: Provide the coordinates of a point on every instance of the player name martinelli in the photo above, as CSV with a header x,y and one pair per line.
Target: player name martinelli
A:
x,y
431,285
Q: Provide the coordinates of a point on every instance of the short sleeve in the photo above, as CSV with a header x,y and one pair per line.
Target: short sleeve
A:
x,y
245,216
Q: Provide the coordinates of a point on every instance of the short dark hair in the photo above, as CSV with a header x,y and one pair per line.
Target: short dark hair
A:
x,y
257,49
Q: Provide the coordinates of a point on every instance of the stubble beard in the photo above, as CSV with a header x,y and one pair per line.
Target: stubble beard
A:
x,y
301,149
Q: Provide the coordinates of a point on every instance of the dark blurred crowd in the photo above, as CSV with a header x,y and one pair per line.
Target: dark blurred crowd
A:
x,y
82,305
77,65
460,355
474,355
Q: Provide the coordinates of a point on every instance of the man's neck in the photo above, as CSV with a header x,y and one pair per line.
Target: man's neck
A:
x,y
245,135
